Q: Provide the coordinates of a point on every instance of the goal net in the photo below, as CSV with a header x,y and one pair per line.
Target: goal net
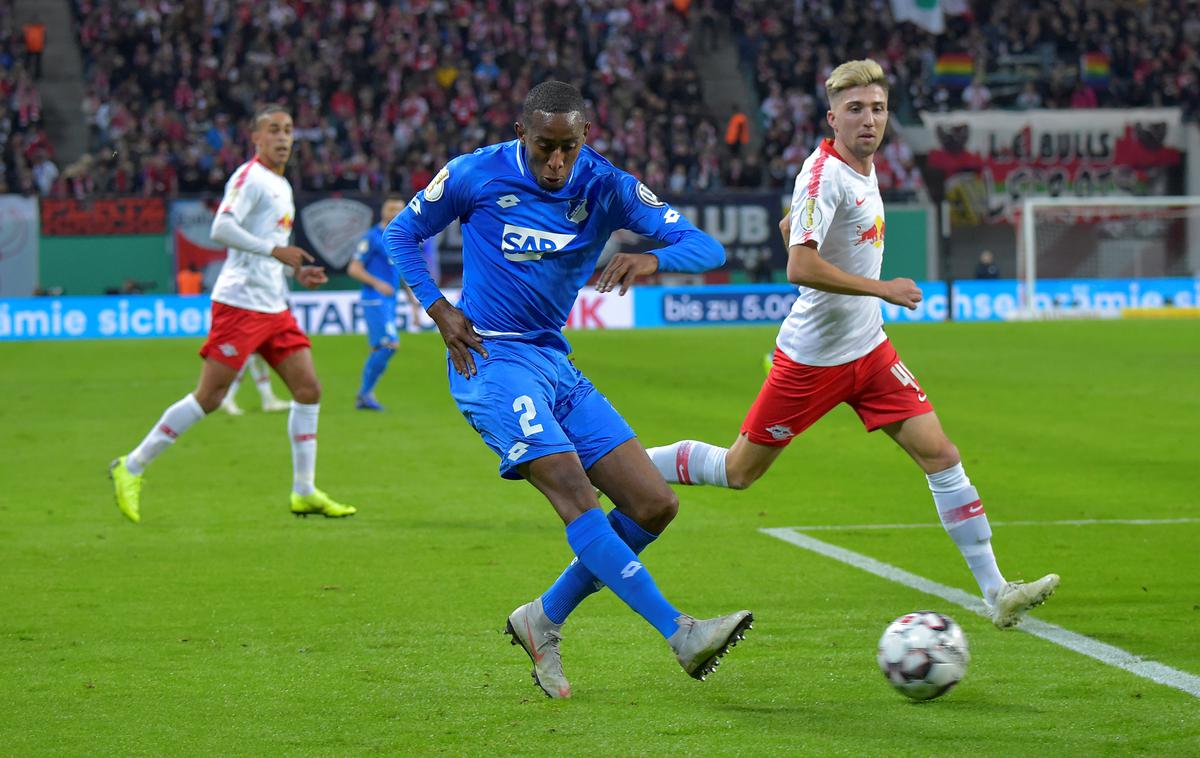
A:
x,y
1102,238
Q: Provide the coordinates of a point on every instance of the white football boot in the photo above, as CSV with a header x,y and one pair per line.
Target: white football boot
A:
x,y
1015,599
700,643
530,628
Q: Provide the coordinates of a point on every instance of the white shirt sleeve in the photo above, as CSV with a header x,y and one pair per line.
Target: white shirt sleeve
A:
x,y
815,198
236,205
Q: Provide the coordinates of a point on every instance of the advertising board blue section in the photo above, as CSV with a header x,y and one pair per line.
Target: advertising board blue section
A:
x,y
337,312
753,304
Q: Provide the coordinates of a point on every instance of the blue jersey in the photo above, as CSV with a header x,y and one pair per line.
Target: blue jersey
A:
x,y
372,254
527,251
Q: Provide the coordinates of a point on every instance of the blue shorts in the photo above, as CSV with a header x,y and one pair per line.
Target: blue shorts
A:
x,y
529,401
380,317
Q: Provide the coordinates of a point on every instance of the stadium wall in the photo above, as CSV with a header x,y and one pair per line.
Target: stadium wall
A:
x,y
318,312
94,265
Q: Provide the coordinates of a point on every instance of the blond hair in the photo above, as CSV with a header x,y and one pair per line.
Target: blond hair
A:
x,y
854,74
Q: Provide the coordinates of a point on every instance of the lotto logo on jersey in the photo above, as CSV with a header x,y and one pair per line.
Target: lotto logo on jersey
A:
x,y
519,243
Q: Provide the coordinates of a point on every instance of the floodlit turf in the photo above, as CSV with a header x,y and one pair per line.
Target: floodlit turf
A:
x,y
223,626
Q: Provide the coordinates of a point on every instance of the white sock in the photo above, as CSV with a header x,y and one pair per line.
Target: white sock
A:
x,y
175,421
302,429
964,519
262,377
691,462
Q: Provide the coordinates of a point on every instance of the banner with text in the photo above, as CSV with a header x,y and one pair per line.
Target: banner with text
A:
x,y
317,312
986,162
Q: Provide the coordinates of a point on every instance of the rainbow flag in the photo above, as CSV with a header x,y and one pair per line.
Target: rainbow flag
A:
x,y
953,70
1094,69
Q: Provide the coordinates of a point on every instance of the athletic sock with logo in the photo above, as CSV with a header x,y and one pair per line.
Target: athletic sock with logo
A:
x,y
691,462
175,421
963,517
611,561
302,429
576,582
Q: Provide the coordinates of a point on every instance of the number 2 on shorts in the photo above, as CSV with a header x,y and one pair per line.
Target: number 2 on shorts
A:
x,y
525,403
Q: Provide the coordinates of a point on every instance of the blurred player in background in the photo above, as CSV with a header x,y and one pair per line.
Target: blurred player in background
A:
x,y
535,215
262,380
832,349
381,279
250,314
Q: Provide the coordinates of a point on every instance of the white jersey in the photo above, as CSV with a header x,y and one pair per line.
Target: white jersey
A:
x,y
841,210
260,201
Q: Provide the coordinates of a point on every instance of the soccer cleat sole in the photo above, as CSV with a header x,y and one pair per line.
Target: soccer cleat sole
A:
x,y
516,640
298,514
737,635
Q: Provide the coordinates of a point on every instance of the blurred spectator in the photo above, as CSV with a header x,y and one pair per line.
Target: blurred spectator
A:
x,y
987,268
977,96
737,131
44,172
189,281
1029,97
35,44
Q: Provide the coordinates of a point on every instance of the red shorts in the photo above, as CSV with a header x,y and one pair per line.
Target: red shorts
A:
x,y
879,388
237,332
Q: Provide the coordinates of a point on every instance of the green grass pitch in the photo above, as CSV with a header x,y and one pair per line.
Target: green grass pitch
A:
x,y
223,626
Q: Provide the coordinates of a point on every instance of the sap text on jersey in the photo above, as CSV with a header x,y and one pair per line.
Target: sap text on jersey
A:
x,y
519,243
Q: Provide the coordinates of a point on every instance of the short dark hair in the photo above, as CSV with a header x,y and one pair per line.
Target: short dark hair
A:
x,y
552,97
267,110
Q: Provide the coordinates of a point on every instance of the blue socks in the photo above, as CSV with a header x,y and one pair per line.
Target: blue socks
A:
x,y
576,583
376,363
606,550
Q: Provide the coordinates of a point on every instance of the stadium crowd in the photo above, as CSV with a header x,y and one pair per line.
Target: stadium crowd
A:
x,y
1147,54
383,93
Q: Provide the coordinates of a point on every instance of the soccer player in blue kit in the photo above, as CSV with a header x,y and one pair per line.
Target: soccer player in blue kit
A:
x,y
535,215
381,279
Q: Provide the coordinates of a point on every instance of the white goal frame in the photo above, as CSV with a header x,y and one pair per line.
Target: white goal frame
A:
x,y
1028,232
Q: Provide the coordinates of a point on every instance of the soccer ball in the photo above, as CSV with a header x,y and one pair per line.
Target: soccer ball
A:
x,y
923,654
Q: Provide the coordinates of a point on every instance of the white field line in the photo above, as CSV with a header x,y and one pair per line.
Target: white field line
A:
x,y
937,525
1105,653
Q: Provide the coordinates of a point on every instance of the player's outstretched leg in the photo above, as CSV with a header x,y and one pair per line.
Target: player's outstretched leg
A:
x,y
376,364
699,644
691,462
539,637
126,471
1015,599
229,402
262,380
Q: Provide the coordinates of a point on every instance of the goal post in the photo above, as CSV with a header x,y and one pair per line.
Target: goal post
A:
x,y
1104,238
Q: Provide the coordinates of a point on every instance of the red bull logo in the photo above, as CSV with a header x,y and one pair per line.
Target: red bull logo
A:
x,y
872,234
285,222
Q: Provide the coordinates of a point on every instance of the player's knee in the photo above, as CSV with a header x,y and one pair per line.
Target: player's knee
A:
x,y
209,399
741,478
940,457
307,392
664,506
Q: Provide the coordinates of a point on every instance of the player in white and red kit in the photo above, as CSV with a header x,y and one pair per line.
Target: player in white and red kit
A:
x,y
250,315
832,349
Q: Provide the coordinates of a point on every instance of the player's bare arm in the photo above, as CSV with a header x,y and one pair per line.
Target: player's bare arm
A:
x,y
459,335
292,256
357,271
807,268
624,269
